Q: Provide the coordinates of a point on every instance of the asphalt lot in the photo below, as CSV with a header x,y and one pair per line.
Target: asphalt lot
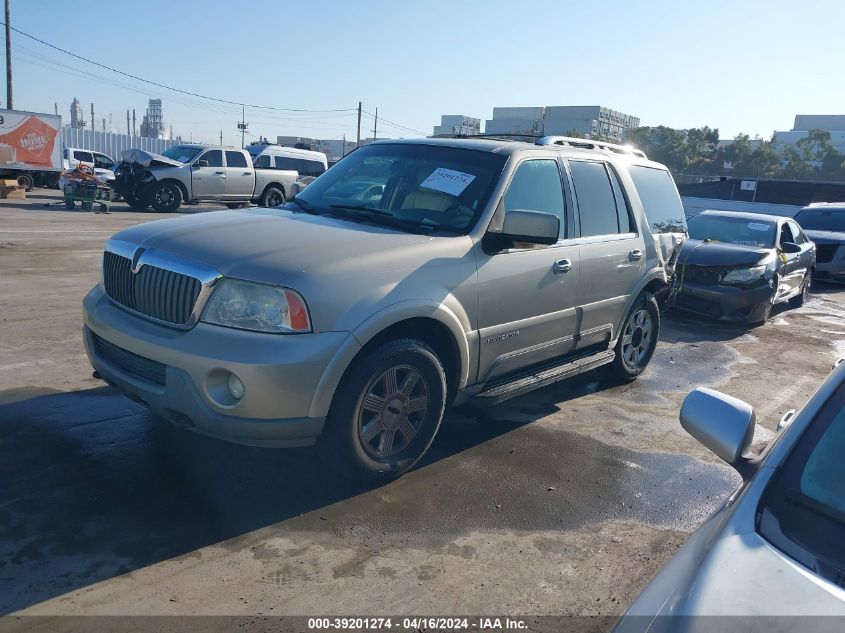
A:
x,y
565,501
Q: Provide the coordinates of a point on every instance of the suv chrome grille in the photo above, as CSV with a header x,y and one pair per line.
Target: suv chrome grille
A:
x,y
154,292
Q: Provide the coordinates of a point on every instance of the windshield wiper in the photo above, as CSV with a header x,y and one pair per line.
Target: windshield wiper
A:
x,y
380,216
303,205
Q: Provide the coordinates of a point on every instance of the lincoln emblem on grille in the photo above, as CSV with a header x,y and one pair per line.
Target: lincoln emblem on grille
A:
x,y
135,259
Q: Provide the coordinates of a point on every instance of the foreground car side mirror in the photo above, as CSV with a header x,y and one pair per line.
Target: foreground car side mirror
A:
x,y
530,227
202,163
722,423
790,247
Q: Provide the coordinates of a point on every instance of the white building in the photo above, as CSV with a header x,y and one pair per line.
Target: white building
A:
x,y
833,123
588,121
457,125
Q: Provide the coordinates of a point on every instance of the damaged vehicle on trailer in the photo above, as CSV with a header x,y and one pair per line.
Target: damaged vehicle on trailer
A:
x,y
738,266
194,173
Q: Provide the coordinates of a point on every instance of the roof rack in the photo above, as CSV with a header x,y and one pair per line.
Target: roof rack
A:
x,y
585,143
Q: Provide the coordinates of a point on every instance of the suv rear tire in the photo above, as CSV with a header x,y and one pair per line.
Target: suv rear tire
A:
x,y
638,338
166,197
386,411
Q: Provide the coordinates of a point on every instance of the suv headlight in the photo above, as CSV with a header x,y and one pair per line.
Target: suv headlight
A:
x,y
258,307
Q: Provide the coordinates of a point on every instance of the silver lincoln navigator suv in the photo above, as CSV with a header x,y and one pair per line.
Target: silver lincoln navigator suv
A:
x,y
411,276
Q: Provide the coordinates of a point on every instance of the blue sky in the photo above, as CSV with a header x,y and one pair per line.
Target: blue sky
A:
x,y
743,66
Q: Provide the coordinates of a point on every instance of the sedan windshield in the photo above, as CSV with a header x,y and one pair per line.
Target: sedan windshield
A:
x,y
821,219
741,231
411,186
803,510
182,153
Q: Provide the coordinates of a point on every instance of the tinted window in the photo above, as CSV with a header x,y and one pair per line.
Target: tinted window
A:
x,y
85,157
821,219
786,234
622,209
214,158
536,187
262,161
311,168
236,159
802,511
660,199
283,162
797,233
596,202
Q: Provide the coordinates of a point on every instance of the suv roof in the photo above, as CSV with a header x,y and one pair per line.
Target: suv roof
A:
x,y
507,146
826,206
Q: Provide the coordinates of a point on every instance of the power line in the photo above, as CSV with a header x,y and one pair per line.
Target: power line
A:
x,y
396,125
165,86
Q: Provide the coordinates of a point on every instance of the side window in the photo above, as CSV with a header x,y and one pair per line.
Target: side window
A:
x,y
596,201
236,159
622,209
85,157
536,186
262,161
797,233
283,162
660,199
786,234
103,162
214,158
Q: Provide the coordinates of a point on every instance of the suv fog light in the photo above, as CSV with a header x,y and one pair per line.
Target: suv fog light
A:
x,y
236,387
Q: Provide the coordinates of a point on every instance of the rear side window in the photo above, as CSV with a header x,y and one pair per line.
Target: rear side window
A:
x,y
283,162
536,186
235,159
214,158
660,199
596,200
85,157
262,161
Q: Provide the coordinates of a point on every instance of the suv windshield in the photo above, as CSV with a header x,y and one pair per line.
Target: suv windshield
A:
x,y
741,231
182,153
821,219
802,511
422,187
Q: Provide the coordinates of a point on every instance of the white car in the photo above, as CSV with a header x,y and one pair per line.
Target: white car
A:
x,y
776,547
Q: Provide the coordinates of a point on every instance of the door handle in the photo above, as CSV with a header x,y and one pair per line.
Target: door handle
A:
x,y
635,255
561,267
220,173
247,173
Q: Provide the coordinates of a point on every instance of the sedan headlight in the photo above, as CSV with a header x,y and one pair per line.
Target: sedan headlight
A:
x,y
257,307
747,275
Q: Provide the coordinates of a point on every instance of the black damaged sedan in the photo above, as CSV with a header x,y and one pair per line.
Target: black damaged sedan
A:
x,y
737,266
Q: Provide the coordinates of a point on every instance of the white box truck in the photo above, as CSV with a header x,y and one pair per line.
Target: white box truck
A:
x,y
30,147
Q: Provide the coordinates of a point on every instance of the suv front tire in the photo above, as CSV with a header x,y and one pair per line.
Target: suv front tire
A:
x,y
386,411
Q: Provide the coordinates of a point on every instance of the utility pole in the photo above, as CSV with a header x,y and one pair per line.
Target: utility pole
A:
x,y
343,147
242,126
93,120
104,124
134,129
375,127
9,103
358,142
55,108
221,137
128,129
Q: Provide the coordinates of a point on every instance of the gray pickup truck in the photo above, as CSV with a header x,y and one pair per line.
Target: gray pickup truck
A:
x,y
411,276
194,173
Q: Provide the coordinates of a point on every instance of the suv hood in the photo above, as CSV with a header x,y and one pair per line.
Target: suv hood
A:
x,y
701,253
267,245
146,159
826,237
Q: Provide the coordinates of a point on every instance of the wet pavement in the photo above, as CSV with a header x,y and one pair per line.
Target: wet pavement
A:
x,y
563,501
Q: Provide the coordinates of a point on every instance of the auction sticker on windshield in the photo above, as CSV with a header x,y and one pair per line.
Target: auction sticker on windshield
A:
x,y
448,181
757,226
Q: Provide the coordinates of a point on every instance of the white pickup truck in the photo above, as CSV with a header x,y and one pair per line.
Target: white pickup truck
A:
x,y
194,173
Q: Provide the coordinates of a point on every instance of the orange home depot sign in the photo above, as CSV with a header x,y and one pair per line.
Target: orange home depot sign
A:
x,y
30,142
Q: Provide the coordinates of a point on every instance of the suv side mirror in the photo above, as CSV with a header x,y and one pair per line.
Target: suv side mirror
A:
x,y
722,423
531,227
790,247
202,163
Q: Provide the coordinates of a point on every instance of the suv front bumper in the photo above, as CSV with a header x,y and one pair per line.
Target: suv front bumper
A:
x,y
181,375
